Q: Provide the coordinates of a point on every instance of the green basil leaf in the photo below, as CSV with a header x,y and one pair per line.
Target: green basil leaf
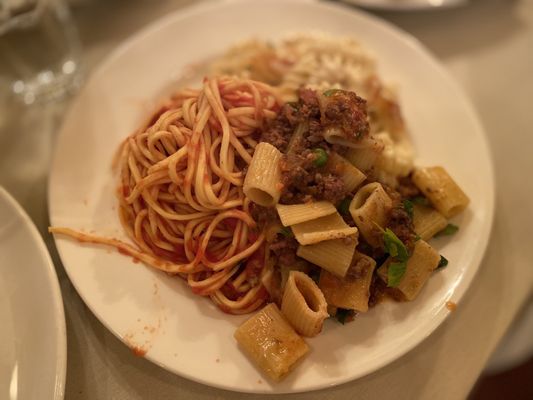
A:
x,y
449,230
395,273
394,246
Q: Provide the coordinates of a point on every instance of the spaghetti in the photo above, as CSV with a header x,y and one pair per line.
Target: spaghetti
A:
x,y
180,196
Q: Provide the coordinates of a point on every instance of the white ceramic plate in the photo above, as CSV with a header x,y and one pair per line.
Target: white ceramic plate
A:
x,y
154,312
33,349
407,5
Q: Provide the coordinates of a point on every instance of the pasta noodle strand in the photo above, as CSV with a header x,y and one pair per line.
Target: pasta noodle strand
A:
x,y
181,196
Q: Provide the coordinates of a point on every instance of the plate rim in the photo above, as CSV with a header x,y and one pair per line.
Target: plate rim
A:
x,y
37,242
405,7
457,291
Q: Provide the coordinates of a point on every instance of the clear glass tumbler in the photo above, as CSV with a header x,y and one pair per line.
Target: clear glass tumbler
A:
x,y
39,49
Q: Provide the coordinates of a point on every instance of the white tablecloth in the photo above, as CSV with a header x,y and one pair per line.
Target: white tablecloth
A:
x,y
488,46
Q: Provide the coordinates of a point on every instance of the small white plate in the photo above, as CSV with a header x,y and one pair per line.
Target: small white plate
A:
x,y
406,5
33,349
185,333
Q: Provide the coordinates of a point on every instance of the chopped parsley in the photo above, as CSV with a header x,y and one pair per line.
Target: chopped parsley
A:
x,y
330,92
420,200
449,230
443,262
286,231
344,206
408,207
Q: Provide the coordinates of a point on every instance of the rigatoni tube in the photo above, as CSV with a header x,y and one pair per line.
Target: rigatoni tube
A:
x,y
298,213
441,190
336,135
349,174
334,256
262,183
271,342
362,159
323,228
353,291
369,209
303,304
418,270
427,221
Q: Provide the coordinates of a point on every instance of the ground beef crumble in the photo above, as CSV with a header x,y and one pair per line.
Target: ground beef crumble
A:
x,y
407,188
401,224
284,248
298,131
346,111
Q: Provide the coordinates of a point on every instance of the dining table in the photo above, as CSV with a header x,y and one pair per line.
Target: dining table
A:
x,y
486,45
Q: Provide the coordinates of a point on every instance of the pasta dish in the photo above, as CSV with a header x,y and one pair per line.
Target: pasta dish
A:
x,y
285,185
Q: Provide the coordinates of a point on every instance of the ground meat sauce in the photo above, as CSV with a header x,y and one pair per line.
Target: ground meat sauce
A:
x,y
279,130
348,112
263,215
358,269
398,221
298,131
407,188
377,253
284,249
379,292
401,224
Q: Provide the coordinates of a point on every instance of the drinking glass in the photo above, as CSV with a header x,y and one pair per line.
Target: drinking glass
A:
x,y
39,49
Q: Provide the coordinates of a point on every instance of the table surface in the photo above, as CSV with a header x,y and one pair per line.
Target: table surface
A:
x,y
487,45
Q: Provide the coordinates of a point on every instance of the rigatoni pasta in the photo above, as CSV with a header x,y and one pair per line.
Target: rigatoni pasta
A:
x,y
419,267
369,209
336,136
271,342
427,221
298,213
441,190
323,228
362,159
334,256
350,175
353,291
262,184
303,304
